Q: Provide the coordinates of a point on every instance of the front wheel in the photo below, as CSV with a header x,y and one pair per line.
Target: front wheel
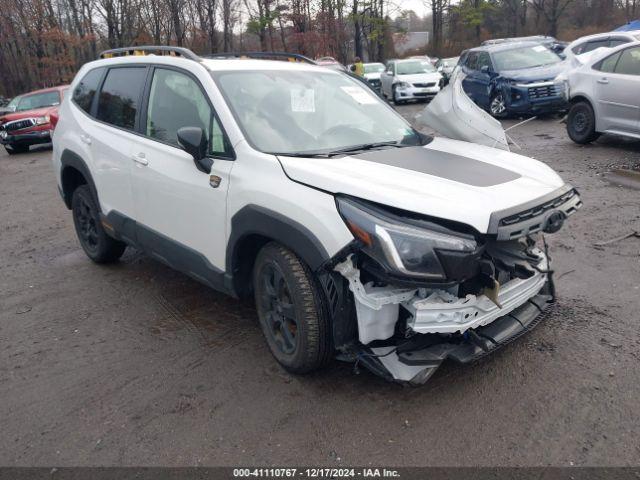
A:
x,y
498,106
581,123
291,310
396,98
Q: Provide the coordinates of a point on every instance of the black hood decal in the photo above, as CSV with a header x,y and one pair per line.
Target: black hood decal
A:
x,y
442,164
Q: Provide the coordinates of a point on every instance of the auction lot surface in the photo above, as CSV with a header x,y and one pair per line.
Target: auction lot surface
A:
x,y
135,364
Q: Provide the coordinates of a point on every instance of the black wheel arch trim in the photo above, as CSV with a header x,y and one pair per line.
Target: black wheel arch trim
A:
x,y
71,159
256,220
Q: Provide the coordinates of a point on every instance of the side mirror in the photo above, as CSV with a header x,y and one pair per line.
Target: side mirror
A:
x,y
484,69
440,68
194,142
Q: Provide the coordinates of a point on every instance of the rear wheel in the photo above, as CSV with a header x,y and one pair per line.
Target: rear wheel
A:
x,y
291,310
13,148
98,246
581,123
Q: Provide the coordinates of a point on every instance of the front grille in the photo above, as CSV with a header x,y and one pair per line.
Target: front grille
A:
x,y
509,225
19,124
424,85
540,209
543,91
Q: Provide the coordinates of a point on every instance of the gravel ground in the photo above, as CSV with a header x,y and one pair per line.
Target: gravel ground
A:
x,y
134,364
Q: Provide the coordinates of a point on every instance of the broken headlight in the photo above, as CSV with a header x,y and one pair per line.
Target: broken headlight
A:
x,y
405,248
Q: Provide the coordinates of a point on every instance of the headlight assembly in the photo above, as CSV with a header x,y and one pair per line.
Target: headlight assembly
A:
x,y
403,85
43,120
406,249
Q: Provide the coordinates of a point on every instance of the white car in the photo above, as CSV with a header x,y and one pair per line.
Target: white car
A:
x,y
410,79
604,94
372,72
356,235
590,43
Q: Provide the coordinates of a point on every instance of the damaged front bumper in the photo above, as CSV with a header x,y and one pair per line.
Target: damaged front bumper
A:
x,y
440,325
417,366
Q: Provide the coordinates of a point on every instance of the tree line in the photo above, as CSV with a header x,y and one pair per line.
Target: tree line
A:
x,y
44,42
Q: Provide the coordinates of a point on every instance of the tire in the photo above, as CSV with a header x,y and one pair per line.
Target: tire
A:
x,y
396,100
95,242
497,106
581,123
12,148
291,309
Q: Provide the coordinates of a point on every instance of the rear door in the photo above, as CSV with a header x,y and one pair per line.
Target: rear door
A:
x,y
111,138
617,87
180,210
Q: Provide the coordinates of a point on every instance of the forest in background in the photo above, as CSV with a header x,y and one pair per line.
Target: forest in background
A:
x,y
44,42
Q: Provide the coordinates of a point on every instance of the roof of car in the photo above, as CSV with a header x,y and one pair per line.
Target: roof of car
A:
x,y
499,47
595,36
45,90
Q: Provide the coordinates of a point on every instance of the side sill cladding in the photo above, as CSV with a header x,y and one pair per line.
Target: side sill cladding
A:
x,y
253,220
73,160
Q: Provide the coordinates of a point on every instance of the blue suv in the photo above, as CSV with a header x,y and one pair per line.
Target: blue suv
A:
x,y
513,79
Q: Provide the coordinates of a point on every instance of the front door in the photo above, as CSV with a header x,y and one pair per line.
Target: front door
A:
x,y
180,210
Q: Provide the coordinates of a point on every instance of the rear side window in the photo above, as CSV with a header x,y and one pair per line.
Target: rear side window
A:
x,y
176,101
629,62
609,63
119,99
472,61
85,90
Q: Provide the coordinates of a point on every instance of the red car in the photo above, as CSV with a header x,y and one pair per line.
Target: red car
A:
x,y
33,120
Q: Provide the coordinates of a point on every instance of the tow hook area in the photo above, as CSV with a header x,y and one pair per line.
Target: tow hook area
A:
x,y
405,334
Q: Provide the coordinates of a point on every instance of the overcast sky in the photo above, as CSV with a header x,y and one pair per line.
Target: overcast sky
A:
x,y
396,6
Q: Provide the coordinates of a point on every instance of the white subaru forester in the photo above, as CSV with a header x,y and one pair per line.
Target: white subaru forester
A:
x,y
359,237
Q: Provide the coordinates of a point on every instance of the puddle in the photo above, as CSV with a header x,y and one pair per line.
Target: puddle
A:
x,y
623,178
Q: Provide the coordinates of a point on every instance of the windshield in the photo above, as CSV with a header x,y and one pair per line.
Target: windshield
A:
x,y
298,112
38,100
373,67
411,68
13,103
450,62
524,57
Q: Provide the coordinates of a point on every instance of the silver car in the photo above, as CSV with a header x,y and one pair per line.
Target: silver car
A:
x,y
410,79
605,95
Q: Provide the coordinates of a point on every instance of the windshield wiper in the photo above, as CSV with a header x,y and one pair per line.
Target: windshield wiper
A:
x,y
367,146
340,151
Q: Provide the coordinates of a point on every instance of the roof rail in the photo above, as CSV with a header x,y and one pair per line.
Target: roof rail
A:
x,y
291,57
150,50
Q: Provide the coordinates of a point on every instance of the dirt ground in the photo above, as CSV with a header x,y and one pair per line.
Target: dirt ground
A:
x,y
135,364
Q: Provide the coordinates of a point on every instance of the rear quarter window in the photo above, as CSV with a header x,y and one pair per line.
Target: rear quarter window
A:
x,y
85,91
119,100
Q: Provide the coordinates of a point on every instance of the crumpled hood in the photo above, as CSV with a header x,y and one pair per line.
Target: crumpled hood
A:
x,y
448,179
538,74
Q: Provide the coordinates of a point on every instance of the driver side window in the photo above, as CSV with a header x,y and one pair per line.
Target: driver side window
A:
x,y
176,101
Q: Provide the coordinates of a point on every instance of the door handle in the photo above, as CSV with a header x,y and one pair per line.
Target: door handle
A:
x,y
140,158
85,139
604,80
